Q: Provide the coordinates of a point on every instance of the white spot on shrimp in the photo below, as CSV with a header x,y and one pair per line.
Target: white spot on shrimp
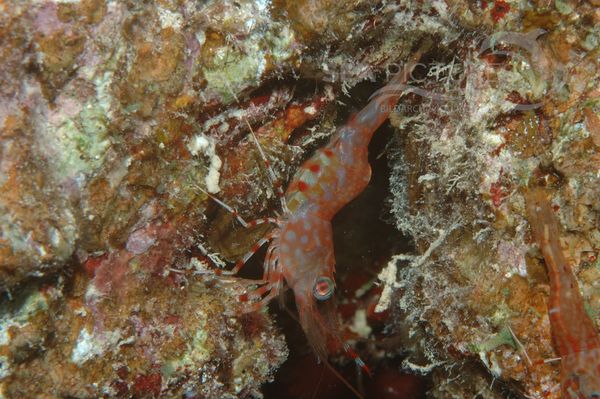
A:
x,y
290,235
307,224
309,178
324,159
284,248
304,239
318,240
341,174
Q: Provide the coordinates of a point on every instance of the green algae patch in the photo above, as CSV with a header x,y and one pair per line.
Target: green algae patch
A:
x,y
503,337
82,141
197,350
231,70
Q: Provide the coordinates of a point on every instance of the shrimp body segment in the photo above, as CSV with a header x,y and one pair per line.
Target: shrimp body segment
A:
x,y
575,335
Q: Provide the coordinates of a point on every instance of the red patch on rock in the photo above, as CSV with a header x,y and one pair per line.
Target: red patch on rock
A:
x,y
122,372
497,192
148,384
172,319
500,9
121,388
252,324
93,263
260,100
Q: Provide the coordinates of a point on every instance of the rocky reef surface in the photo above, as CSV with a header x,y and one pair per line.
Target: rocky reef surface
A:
x,y
518,110
118,117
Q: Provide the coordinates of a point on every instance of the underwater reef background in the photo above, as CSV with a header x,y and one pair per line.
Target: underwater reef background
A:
x,y
118,117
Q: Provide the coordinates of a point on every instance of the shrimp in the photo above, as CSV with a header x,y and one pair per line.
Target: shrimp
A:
x,y
575,336
301,251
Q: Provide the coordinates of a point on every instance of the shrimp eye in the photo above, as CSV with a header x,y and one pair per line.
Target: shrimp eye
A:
x,y
323,288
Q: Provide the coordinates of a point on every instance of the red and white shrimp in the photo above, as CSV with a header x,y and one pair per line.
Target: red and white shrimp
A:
x,y
301,245
575,336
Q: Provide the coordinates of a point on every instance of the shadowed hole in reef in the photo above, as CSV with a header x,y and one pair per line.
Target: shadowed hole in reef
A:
x,y
363,245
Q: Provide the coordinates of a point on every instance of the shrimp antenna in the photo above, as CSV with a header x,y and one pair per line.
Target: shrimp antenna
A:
x,y
236,214
273,180
314,395
344,381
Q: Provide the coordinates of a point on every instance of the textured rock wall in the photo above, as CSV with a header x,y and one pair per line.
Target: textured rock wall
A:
x,y
117,116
